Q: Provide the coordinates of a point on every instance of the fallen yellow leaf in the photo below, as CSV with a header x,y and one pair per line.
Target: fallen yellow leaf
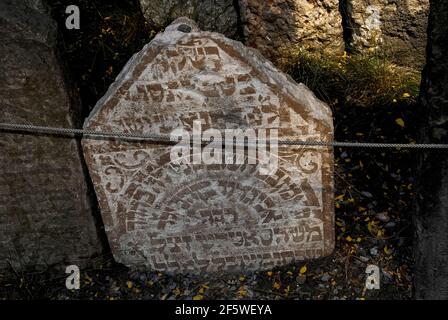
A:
x,y
400,122
87,279
288,288
198,297
177,291
303,269
242,292
387,250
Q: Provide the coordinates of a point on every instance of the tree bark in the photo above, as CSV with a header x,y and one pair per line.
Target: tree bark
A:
x,y
431,219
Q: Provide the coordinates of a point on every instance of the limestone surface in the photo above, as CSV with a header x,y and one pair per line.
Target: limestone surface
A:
x,y
277,24
186,217
396,26
45,211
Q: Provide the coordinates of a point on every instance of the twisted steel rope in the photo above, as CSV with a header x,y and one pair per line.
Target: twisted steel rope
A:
x,y
165,139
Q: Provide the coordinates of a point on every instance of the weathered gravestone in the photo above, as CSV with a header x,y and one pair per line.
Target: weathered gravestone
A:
x,y
45,211
199,217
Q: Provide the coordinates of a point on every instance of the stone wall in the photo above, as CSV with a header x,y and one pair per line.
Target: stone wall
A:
x,y
45,212
220,16
312,25
265,25
395,26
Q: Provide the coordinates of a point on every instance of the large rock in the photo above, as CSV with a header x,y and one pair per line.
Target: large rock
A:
x,y
172,216
310,25
211,15
265,25
396,26
45,212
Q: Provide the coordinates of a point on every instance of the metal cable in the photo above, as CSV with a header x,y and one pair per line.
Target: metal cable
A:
x,y
165,139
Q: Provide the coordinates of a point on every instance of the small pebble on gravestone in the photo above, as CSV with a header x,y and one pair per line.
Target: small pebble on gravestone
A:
x,y
184,28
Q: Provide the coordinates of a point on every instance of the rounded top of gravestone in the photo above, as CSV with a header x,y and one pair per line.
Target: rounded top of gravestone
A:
x,y
189,70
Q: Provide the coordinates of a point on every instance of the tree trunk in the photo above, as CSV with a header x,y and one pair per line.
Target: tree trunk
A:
x,y
431,219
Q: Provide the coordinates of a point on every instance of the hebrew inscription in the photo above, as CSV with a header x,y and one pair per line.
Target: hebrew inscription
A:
x,y
190,217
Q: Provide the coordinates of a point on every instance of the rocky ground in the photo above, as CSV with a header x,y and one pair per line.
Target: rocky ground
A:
x,y
374,198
